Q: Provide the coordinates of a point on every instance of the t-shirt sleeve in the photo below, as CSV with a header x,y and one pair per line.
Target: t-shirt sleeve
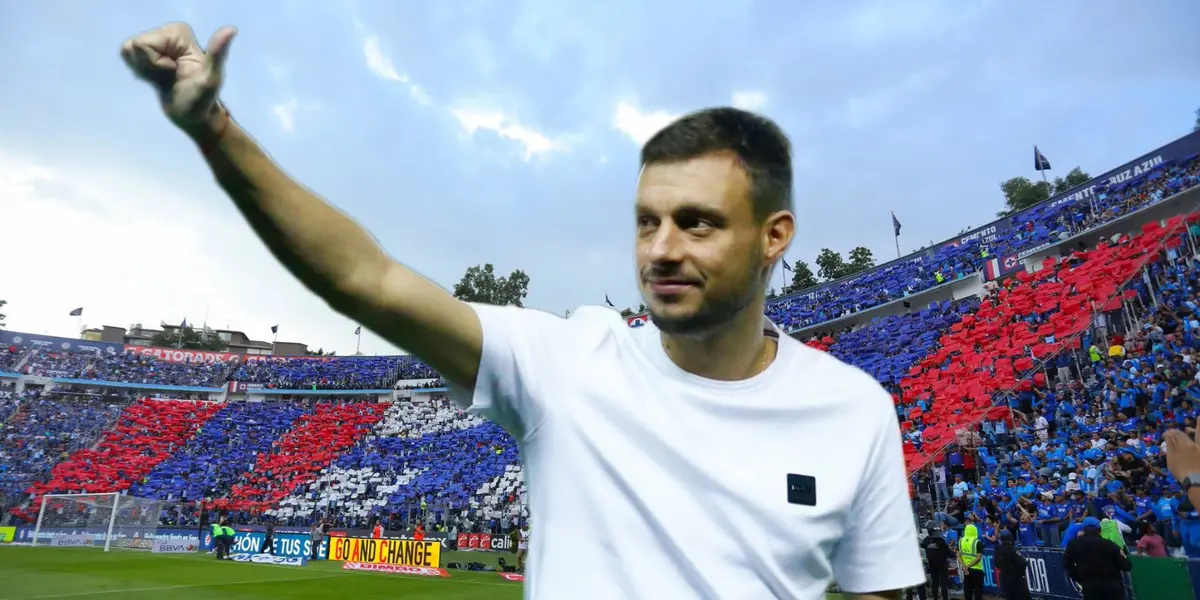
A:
x,y
880,551
508,387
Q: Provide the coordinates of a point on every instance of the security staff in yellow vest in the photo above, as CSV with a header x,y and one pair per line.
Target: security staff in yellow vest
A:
x,y
222,538
971,559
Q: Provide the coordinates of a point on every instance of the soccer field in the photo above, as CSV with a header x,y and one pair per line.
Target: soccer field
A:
x,y
31,573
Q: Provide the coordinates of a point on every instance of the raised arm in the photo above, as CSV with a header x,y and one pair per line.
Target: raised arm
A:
x,y
325,249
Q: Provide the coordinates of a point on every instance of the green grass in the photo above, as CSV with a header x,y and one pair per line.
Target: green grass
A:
x,y
48,573
29,573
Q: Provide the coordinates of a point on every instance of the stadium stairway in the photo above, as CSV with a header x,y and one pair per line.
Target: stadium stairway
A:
x,y
147,433
297,457
217,456
1000,348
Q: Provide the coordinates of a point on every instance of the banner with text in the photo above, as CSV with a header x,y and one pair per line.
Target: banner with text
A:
x,y
7,534
484,541
177,355
392,552
283,544
49,342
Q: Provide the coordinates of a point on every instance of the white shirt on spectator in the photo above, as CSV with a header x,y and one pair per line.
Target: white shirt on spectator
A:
x,y
646,481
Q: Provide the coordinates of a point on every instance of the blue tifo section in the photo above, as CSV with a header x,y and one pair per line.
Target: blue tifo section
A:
x,y
453,464
225,448
887,347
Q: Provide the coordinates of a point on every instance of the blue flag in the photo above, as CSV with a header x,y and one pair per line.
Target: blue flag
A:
x,y
1040,163
895,225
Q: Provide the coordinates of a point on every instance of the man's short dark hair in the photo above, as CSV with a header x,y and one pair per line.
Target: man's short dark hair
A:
x,y
759,144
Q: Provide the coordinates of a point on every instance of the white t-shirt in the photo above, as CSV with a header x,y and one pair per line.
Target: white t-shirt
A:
x,y
649,482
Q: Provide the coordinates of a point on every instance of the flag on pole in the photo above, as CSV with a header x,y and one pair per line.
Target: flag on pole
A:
x,y
895,225
78,312
274,329
1040,162
184,324
607,301
358,330
786,267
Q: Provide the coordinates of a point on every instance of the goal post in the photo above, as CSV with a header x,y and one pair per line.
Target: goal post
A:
x,y
109,520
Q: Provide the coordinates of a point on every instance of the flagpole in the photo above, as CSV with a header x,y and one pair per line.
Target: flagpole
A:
x,y
358,344
79,323
897,238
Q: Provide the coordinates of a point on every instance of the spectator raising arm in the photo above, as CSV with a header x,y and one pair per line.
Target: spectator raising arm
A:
x,y
330,253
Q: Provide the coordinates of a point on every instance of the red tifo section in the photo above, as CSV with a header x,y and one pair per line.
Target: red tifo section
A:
x,y
314,441
991,350
148,432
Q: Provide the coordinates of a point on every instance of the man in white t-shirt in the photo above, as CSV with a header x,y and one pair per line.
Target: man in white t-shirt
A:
x,y
706,455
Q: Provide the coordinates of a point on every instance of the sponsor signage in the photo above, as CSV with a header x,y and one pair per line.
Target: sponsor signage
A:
x,y
7,534
511,576
638,320
395,569
165,545
267,559
484,541
241,387
49,342
68,540
177,355
1044,571
386,551
282,544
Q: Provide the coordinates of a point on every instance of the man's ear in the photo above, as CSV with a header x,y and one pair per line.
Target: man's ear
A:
x,y
778,230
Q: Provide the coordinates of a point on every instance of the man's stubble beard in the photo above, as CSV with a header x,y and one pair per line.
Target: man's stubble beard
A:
x,y
713,312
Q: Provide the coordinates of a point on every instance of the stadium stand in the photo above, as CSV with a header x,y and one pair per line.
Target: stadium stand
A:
x,y
1024,405
320,373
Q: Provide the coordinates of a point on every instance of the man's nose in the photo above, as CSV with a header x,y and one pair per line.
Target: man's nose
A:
x,y
666,245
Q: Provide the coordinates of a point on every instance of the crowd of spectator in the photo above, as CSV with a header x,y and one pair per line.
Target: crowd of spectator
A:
x,y
320,373
1088,440
45,429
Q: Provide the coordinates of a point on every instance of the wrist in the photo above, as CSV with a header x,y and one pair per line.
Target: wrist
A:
x,y
208,131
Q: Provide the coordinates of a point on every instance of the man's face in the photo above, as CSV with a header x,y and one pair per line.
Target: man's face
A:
x,y
700,249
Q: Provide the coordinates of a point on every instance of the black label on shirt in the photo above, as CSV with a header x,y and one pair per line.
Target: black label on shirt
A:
x,y
802,489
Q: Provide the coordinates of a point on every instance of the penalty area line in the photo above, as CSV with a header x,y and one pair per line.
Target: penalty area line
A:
x,y
175,587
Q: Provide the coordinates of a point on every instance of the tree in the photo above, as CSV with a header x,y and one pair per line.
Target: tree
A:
x,y
1196,127
480,284
629,312
2,303
1021,193
830,264
861,259
1075,178
802,277
771,293
189,339
322,352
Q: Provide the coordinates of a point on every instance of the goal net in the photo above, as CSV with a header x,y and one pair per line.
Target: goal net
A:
x,y
99,520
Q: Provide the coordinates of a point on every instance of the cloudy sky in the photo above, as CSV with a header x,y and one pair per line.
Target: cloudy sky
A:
x,y
506,131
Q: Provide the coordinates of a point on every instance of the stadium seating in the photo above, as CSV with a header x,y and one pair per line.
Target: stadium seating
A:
x,y
320,373
420,450
953,261
148,432
315,440
218,455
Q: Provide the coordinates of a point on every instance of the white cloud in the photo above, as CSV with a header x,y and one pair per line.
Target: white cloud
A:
x,y
533,142
130,249
382,66
637,125
285,113
750,100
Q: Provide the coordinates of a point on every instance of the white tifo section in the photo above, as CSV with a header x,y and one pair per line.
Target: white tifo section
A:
x,y
110,520
491,500
351,492
423,416
355,492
